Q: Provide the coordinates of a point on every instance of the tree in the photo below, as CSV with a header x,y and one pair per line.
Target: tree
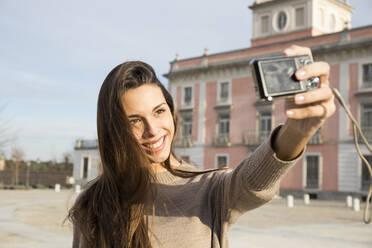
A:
x,y
17,157
67,158
5,137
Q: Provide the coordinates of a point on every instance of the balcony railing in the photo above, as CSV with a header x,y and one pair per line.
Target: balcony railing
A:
x,y
222,139
367,131
223,101
183,142
316,139
367,84
252,137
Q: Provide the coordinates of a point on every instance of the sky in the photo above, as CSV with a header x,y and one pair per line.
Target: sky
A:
x,y
54,56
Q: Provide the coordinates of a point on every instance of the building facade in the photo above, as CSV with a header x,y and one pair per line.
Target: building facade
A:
x,y
221,121
86,161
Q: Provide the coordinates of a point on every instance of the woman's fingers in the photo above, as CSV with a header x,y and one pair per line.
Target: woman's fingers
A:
x,y
295,50
312,96
314,103
317,69
322,110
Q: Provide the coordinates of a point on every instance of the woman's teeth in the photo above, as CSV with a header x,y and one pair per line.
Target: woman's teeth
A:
x,y
156,145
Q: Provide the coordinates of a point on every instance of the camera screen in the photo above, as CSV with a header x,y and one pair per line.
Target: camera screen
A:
x,y
279,76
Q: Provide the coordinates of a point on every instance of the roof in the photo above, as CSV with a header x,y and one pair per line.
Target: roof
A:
x,y
86,144
264,3
340,40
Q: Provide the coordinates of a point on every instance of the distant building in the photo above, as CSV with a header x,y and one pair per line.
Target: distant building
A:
x,y
2,164
86,161
221,121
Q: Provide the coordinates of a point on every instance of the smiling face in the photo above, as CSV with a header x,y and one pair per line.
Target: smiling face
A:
x,y
151,120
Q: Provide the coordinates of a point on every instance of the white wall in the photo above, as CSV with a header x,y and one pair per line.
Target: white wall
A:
x,y
93,162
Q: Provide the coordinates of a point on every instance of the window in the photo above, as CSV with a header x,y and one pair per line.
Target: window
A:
x,y
282,20
300,17
224,123
186,159
317,138
332,22
264,126
366,120
222,161
187,97
366,178
264,24
187,126
224,92
367,76
85,167
312,172
322,17
222,137
184,138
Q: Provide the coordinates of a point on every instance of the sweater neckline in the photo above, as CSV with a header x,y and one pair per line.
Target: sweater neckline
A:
x,y
165,177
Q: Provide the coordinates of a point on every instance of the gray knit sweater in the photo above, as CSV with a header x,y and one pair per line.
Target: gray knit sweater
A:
x,y
197,212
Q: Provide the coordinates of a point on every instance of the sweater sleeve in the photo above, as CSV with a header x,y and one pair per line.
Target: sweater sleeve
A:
x,y
254,182
76,238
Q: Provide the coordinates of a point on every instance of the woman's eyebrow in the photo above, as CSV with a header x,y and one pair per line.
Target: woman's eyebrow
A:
x,y
157,106
132,116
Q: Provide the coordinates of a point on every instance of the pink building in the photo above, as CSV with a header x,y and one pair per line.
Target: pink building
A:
x,y
221,121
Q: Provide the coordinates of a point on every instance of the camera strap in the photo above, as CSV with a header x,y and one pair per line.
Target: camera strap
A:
x,y
357,130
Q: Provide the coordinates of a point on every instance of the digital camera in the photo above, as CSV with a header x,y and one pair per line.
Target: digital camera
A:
x,y
275,76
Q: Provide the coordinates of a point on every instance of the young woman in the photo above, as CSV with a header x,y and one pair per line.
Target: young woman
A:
x,y
146,197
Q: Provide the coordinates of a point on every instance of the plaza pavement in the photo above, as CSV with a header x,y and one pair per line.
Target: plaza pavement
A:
x,y
34,219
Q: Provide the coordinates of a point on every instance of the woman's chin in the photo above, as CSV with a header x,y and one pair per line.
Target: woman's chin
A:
x,y
158,159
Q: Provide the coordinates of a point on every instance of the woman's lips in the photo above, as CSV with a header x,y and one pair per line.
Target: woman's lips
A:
x,y
156,146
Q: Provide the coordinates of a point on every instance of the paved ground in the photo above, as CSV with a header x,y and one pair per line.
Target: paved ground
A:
x,y
320,224
33,219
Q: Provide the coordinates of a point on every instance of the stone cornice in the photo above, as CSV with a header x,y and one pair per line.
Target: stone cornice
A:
x,y
344,43
265,4
320,52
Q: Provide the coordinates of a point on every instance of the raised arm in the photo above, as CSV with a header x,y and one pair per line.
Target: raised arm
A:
x,y
307,111
257,178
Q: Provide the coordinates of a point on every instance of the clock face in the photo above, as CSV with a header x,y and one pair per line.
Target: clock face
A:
x,y
282,20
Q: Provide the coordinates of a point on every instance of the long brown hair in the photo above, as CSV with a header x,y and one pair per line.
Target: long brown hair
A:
x,y
110,212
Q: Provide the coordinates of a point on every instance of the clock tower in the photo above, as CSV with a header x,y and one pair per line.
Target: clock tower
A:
x,y
281,20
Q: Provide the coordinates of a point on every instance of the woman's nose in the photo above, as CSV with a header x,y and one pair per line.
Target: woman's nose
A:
x,y
151,129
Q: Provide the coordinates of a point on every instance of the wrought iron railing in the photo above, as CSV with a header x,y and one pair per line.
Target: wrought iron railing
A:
x,y
367,131
316,139
185,141
367,84
222,139
252,137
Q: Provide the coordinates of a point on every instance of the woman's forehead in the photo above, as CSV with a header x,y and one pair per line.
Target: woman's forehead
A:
x,y
143,99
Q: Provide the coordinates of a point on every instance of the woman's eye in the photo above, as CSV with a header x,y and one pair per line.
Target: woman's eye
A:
x,y
134,121
159,111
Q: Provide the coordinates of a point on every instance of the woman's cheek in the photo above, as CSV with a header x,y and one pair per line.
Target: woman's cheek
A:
x,y
137,133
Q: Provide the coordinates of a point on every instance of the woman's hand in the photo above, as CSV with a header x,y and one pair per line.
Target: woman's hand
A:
x,y
307,111
311,108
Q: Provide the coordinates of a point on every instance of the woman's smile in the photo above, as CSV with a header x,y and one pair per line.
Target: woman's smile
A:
x,y
155,146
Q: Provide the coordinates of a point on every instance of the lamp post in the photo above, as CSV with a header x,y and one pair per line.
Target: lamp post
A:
x,y
28,174
38,174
